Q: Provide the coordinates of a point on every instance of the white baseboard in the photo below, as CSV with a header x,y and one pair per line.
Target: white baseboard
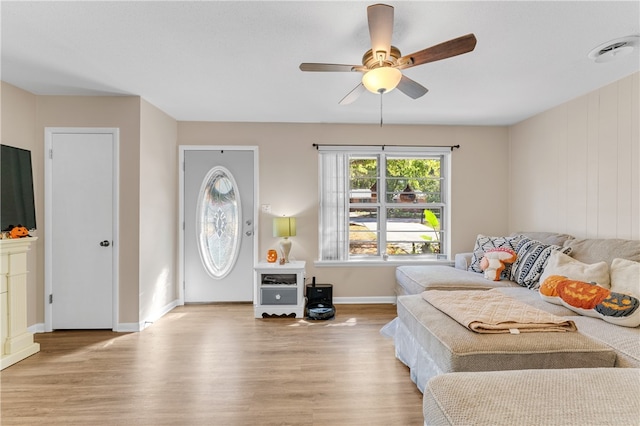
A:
x,y
132,327
128,327
364,300
124,327
36,328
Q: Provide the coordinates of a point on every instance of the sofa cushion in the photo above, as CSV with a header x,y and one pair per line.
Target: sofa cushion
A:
x,y
531,261
596,250
625,277
546,237
534,397
414,279
453,347
624,340
533,298
565,265
485,243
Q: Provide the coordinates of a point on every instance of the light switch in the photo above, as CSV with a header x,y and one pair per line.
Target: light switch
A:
x,y
266,208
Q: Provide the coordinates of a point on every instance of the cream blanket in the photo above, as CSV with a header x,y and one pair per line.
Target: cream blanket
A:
x,y
489,311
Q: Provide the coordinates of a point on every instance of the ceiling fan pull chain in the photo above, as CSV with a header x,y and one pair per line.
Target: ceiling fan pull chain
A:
x,y
381,109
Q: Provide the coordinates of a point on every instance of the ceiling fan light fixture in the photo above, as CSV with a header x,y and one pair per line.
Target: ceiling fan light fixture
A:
x,y
614,49
381,80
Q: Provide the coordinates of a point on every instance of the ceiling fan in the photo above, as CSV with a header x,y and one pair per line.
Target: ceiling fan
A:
x,y
382,64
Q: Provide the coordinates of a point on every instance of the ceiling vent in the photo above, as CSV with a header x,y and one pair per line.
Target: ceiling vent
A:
x,y
614,49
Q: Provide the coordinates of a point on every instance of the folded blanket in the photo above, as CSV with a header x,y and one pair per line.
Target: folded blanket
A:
x,y
489,311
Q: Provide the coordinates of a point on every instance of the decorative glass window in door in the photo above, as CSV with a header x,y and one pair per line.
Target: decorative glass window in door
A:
x,y
218,224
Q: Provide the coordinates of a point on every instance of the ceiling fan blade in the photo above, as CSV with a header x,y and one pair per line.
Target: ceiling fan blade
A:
x,y
411,88
380,18
329,67
450,48
353,95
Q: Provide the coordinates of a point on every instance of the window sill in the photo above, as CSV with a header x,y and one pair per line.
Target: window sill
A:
x,y
379,262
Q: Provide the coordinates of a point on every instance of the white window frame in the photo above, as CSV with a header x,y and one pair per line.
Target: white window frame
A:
x,y
334,193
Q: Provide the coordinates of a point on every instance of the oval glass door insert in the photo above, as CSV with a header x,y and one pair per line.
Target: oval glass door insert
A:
x,y
218,222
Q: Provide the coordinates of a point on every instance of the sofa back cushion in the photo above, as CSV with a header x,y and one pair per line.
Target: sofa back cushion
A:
x,y
592,250
546,237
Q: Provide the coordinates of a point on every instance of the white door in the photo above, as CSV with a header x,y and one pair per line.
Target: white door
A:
x,y
219,214
80,229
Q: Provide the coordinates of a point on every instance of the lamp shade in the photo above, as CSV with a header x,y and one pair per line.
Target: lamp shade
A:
x,y
381,80
284,227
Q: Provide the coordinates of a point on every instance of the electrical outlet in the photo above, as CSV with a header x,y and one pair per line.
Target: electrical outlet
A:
x,y
266,208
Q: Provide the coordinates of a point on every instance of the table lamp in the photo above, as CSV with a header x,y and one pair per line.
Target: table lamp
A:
x,y
284,227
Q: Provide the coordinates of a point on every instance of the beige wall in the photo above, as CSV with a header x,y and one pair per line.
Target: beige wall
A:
x,y
147,149
158,211
24,118
19,129
107,111
288,181
574,168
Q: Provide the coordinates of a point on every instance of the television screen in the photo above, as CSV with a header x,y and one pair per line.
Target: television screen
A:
x,y
17,205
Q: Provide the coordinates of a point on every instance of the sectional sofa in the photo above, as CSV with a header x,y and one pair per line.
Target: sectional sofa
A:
x,y
451,364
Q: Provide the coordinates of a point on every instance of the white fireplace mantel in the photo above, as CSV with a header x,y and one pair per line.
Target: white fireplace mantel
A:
x,y
16,342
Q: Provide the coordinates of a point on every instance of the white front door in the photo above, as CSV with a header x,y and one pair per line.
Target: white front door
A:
x,y
219,223
79,252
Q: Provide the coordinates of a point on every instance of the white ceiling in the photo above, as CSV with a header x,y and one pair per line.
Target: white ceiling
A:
x,y
238,60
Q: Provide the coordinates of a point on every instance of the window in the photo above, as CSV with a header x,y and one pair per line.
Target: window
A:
x,y
386,204
218,222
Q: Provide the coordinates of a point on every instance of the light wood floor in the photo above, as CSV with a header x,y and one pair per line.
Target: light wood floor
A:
x,y
217,365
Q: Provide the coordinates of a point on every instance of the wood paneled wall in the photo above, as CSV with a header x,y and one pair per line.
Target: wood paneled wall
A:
x,y
575,168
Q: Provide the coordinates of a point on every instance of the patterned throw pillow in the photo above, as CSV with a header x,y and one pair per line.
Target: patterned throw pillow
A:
x,y
531,260
485,243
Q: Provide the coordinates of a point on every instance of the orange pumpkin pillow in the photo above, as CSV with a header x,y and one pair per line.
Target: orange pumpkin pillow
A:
x,y
549,289
592,300
580,294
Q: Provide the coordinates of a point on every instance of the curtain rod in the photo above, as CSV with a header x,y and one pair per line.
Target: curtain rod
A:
x,y
452,147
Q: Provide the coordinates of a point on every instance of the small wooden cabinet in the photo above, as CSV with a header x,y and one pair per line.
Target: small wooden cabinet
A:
x,y
279,289
16,342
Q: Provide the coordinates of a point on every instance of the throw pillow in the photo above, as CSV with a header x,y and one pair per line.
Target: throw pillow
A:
x,y
592,300
565,265
532,258
625,277
494,262
485,243
548,289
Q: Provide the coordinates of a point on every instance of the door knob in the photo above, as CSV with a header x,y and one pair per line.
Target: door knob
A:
x,y
104,243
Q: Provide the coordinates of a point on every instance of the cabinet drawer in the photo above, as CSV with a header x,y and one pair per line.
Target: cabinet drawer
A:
x,y
278,296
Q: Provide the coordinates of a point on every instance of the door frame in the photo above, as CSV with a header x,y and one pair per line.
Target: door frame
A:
x,y
181,221
48,217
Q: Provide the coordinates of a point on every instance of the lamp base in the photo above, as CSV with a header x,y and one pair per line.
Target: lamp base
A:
x,y
285,247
